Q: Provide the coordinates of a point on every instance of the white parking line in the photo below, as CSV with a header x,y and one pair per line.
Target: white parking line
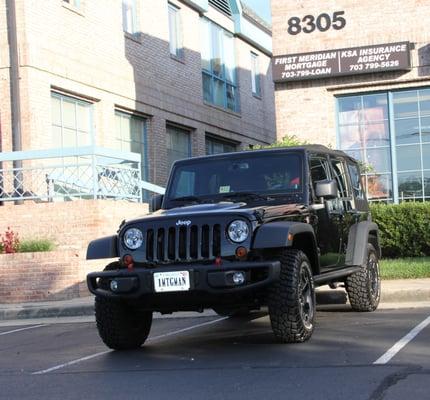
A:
x,y
78,360
22,329
402,342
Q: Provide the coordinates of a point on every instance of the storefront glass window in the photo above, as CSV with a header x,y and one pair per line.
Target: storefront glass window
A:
x,y
390,133
364,133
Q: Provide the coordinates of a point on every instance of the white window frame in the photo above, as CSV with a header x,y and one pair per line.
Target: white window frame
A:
x,y
64,97
255,75
129,16
175,32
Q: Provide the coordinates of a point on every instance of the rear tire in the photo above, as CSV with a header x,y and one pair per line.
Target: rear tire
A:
x,y
292,299
121,325
364,287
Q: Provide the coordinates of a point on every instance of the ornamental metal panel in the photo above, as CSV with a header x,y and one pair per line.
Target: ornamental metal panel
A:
x,y
221,5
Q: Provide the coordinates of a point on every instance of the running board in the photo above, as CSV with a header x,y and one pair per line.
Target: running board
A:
x,y
327,277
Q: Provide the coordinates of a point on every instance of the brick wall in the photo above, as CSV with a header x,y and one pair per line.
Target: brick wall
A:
x,y
56,275
307,109
71,225
59,274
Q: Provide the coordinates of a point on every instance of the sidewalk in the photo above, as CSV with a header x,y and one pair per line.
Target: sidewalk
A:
x,y
397,291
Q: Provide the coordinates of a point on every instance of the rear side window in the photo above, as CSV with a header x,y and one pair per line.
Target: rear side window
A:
x,y
339,172
319,169
356,181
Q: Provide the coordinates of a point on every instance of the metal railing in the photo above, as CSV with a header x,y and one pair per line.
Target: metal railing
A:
x,y
72,173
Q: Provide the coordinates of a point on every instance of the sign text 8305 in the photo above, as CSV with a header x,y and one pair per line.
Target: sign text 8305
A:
x,y
322,22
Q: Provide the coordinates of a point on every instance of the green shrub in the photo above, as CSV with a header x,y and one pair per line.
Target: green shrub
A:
x,y
404,229
35,245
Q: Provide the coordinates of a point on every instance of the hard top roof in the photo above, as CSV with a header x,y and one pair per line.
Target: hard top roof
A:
x,y
309,148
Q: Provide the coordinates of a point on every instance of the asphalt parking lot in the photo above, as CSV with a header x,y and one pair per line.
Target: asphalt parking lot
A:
x,y
219,358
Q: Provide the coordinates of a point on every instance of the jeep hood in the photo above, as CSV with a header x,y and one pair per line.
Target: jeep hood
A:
x,y
260,213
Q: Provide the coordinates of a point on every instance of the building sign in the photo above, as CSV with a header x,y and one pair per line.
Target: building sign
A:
x,y
351,61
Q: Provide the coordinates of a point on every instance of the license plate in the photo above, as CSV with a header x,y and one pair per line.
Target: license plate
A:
x,y
175,281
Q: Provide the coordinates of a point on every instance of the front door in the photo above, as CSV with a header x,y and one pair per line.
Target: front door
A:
x,y
328,221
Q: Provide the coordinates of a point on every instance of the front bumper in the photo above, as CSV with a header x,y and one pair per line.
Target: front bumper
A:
x,y
209,279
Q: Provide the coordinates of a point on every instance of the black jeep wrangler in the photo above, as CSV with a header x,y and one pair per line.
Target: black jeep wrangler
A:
x,y
238,231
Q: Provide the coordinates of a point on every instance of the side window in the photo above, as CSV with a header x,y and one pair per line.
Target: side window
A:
x,y
319,170
357,186
340,176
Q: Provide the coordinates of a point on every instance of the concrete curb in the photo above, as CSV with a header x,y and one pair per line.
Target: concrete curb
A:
x,y
393,292
54,310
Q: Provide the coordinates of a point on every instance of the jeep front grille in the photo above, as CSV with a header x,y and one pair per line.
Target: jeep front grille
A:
x,y
185,243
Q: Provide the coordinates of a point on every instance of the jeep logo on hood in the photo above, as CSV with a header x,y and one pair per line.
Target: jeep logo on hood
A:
x,y
180,222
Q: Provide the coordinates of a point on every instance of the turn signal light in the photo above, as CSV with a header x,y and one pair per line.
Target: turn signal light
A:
x,y
128,261
241,252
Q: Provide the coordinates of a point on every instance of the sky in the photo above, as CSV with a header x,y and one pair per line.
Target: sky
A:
x,y
262,7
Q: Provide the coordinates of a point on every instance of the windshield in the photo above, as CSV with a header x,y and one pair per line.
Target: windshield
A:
x,y
218,179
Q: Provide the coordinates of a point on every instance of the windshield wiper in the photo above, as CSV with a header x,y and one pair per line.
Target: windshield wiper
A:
x,y
245,195
187,198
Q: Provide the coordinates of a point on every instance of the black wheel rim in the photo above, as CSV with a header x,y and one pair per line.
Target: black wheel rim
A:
x,y
306,297
374,278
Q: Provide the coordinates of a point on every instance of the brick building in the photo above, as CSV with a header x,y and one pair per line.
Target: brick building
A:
x,y
356,76
98,98
164,79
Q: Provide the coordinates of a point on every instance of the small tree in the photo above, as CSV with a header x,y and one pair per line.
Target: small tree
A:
x,y
286,141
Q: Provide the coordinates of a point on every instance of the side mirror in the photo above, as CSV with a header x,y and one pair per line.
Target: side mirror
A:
x,y
326,189
156,202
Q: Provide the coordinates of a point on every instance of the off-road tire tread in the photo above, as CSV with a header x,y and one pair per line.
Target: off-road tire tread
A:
x,y
121,325
287,324
356,286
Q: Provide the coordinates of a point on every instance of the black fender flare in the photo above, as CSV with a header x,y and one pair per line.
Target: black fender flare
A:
x,y
360,234
105,247
281,234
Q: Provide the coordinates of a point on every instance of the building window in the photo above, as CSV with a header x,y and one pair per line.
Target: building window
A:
x,y
178,144
71,121
217,146
74,3
129,16
390,132
255,75
218,66
175,34
130,136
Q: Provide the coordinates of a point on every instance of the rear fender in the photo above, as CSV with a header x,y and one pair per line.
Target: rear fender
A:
x,y
360,234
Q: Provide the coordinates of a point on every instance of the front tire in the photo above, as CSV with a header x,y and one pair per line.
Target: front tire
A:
x,y
364,287
292,299
121,325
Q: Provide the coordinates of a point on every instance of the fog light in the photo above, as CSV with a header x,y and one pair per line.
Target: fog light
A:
x,y
113,286
238,278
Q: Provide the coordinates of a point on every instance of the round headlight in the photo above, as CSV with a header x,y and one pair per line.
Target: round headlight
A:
x,y
238,231
133,238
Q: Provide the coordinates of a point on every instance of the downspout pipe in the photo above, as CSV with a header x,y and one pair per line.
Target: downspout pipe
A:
x,y
15,101
1,165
